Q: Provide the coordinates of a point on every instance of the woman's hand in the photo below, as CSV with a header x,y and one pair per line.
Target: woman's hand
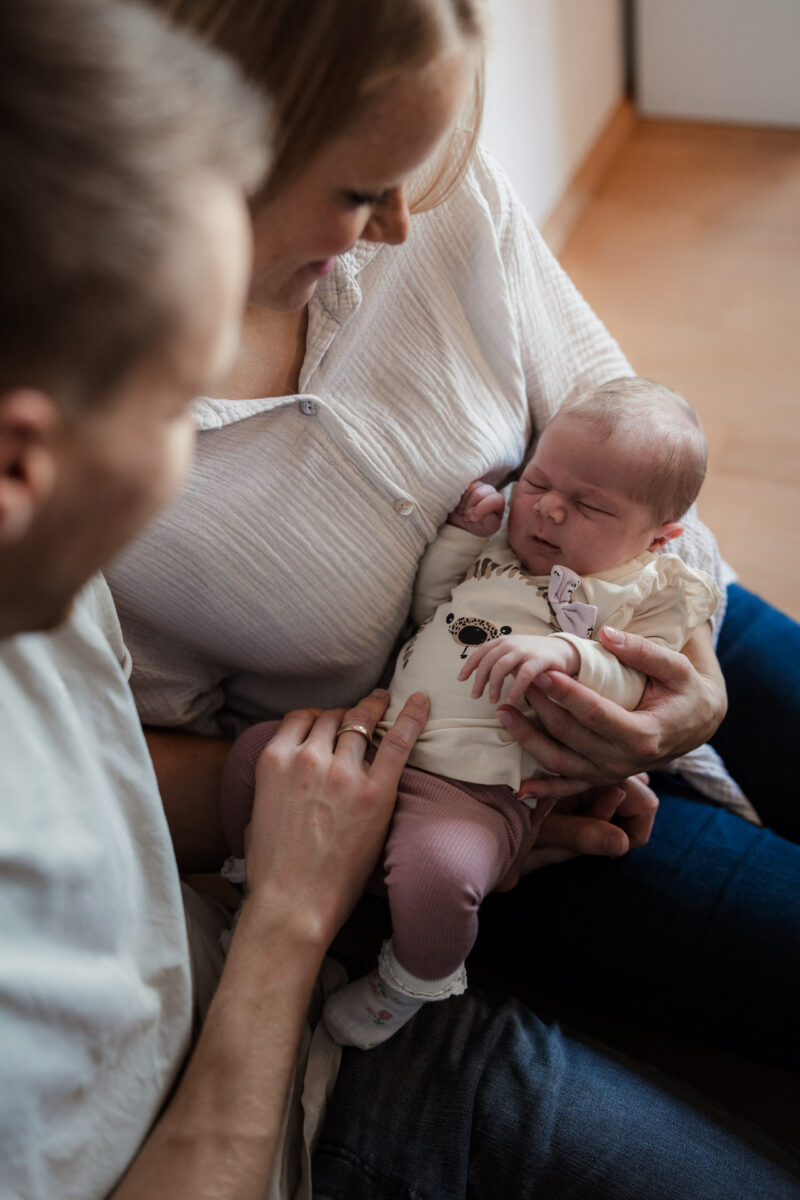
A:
x,y
588,740
583,825
321,810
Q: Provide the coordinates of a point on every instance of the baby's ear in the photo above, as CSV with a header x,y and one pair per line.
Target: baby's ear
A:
x,y
665,533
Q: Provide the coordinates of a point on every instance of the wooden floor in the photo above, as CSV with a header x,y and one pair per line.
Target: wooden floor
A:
x,y
690,253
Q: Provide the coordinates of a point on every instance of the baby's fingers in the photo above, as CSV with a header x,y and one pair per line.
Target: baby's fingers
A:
x,y
472,662
485,670
502,668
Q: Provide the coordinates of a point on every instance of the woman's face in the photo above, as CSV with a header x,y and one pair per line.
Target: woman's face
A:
x,y
355,186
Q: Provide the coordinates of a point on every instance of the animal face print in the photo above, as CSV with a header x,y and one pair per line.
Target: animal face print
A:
x,y
473,631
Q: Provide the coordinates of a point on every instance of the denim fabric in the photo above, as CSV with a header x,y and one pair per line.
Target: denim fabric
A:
x,y
697,932
474,1099
759,649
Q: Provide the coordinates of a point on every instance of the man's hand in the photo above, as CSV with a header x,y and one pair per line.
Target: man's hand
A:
x,y
321,808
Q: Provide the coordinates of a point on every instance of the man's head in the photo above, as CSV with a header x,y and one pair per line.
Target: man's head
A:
x,y
611,476
126,150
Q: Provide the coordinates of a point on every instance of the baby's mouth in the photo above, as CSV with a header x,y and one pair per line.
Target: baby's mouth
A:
x,y
544,542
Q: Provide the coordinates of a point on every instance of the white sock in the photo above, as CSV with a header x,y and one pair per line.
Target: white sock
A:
x,y
369,1010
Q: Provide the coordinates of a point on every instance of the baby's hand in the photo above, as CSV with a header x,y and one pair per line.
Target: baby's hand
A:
x,y
480,510
523,655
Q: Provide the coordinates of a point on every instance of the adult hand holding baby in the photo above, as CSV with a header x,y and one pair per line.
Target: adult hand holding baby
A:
x,y
563,834
587,739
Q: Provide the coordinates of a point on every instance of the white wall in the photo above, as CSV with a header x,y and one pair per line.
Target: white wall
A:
x,y
554,78
719,60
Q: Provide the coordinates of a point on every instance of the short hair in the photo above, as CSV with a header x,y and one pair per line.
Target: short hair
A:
x,y
319,60
107,116
654,418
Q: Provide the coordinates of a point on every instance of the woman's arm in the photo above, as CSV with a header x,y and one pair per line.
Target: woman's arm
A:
x,y
319,821
188,768
589,740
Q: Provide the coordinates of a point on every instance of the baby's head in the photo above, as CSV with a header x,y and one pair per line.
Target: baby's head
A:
x,y
610,477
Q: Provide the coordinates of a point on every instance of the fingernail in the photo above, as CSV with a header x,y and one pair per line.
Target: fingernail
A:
x,y
381,692
504,717
543,682
611,847
614,635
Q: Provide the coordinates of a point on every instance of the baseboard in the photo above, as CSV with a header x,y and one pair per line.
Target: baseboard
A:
x,y
589,175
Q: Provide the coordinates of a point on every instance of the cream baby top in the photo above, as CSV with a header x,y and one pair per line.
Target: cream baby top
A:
x,y
470,590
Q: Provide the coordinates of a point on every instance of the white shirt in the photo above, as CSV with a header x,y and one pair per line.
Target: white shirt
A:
x,y
95,988
282,575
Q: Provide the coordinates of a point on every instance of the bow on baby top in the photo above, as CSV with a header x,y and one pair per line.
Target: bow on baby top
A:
x,y
571,615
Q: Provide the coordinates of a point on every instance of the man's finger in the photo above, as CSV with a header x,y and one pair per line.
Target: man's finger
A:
x,y
353,743
397,742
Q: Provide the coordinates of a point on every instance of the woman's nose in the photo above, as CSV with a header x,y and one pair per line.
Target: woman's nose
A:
x,y
388,222
551,507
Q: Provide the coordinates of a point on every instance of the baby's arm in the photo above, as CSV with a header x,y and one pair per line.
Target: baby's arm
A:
x,y
480,510
522,655
476,517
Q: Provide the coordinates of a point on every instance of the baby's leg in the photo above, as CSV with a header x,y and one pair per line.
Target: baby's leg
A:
x,y
449,844
239,781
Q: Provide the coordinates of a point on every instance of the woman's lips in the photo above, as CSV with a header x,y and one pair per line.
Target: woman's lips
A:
x,y
321,267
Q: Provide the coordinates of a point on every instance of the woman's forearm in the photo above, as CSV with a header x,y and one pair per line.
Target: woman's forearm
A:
x,y
188,769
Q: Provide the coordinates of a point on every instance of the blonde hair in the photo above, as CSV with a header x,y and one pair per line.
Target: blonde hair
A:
x,y
320,60
662,427
105,112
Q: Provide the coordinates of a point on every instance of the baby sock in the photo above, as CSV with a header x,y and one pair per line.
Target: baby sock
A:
x,y
369,1010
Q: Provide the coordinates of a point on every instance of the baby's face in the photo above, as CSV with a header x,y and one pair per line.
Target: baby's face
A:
x,y
573,506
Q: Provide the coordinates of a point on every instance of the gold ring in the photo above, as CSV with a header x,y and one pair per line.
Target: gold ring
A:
x,y
353,728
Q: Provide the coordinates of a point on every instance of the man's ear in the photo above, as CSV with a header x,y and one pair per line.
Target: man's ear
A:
x,y
27,464
665,533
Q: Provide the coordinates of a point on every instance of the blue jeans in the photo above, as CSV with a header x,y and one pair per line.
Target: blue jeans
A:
x,y
476,1099
698,931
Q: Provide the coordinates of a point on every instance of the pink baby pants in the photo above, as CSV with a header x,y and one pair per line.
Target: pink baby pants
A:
x,y
449,844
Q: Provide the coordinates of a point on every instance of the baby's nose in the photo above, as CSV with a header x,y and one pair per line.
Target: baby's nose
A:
x,y
551,507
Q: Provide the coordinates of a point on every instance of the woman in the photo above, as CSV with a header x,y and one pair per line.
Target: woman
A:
x,y
354,418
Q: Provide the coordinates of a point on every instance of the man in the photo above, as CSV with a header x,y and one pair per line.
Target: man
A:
x,y
127,150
